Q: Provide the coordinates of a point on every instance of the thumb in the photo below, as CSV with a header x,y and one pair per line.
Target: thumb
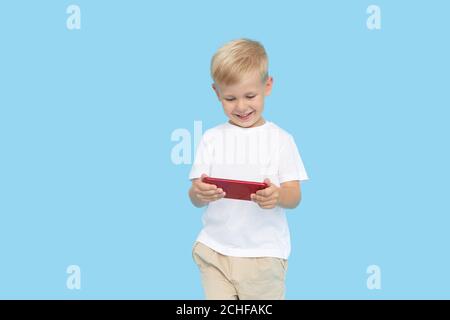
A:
x,y
267,181
204,175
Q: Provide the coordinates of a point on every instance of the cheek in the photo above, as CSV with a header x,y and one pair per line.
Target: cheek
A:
x,y
227,107
258,104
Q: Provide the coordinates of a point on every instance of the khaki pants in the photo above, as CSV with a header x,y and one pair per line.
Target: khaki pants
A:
x,y
232,278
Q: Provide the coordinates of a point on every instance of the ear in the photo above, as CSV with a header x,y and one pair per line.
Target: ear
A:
x,y
268,86
216,90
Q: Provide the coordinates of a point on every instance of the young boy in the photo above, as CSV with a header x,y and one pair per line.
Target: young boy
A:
x,y
243,247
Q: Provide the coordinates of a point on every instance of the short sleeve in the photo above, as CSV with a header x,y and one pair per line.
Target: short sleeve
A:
x,y
202,162
291,165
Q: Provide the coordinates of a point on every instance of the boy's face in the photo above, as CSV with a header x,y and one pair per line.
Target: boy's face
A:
x,y
243,102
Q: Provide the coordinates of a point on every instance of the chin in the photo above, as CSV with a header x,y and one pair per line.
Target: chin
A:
x,y
244,124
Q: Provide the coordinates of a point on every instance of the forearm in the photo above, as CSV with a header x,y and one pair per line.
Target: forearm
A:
x,y
196,202
289,197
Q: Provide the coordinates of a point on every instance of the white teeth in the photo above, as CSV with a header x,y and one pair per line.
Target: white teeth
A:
x,y
244,115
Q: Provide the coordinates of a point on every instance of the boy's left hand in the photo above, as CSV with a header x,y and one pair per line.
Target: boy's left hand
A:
x,y
268,197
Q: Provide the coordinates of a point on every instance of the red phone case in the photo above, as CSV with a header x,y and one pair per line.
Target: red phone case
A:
x,y
236,189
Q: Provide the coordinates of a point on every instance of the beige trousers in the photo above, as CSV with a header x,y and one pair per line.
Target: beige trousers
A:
x,y
232,278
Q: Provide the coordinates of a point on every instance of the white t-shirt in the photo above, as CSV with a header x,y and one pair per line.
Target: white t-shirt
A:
x,y
238,227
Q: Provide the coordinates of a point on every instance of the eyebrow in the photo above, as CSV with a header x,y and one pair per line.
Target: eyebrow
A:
x,y
246,94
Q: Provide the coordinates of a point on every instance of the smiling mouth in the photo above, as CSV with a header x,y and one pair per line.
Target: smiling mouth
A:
x,y
245,116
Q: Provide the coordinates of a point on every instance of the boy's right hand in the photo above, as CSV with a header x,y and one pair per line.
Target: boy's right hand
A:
x,y
205,192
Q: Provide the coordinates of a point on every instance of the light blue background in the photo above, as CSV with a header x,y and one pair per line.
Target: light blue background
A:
x,y
86,118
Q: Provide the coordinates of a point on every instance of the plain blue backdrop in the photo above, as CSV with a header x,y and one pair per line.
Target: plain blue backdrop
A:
x,y
86,118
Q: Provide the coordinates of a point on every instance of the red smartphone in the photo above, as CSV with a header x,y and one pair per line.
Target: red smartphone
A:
x,y
236,189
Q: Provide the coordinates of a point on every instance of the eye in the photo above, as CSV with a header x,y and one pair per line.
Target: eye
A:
x,y
250,97
229,99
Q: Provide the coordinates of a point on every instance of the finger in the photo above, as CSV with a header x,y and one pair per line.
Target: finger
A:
x,y
267,191
270,203
214,197
207,193
258,198
206,186
205,199
270,191
261,192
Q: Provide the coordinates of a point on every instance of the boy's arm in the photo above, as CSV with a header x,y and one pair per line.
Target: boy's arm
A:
x,y
290,194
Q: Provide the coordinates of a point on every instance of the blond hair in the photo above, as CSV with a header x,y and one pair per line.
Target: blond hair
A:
x,y
237,58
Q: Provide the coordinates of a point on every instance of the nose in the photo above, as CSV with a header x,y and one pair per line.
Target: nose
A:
x,y
241,106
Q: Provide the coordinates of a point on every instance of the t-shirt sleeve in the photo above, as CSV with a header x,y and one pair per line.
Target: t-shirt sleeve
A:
x,y
202,162
291,165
